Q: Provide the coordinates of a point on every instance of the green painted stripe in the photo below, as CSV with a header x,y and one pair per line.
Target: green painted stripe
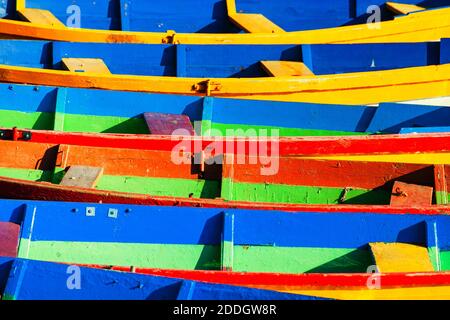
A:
x,y
200,257
442,197
112,124
185,188
255,130
232,190
161,186
27,120
72,122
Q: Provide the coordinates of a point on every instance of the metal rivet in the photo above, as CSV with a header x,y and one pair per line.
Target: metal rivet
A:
x,y
74,210
113,213
90,211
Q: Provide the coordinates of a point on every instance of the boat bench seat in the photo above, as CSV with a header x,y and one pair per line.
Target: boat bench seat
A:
x,y
9,239
407,195
166,124
82,176
85,65
402,8
255,23
401,257
42,17
286,68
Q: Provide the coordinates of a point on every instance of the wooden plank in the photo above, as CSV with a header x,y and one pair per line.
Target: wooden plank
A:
x,y
402,8
85,65
40,17
286,68
227,242
82,176
255,23
406,195
9,239
401,257
166,124
440,184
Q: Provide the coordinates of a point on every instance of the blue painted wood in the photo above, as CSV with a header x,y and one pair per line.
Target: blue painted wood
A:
x,y
210,15
225,60
58,221
391,117
388,118
38,280
328,59
289,115
425,130
445,51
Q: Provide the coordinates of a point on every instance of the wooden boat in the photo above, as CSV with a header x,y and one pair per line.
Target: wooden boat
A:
x,y
413,148
183,178
224,61
241,241
38,280
354,286
99,111
383,285
414,23
420,82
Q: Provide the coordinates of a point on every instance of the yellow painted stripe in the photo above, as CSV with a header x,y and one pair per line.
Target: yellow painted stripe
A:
x,y
20,4
349,88
420,26
417,293
40,17
85,65
401,257
402,8
425,158
286,68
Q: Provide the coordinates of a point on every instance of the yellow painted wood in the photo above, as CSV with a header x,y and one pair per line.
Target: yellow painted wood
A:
x,y
255,23
412,293
286,68
402,8
251,22
40,17
231,7
349,88
20,4
401,257
424,158
85,65
420,26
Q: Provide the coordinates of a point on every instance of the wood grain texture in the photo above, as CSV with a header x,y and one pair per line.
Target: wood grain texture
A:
x,y
82,176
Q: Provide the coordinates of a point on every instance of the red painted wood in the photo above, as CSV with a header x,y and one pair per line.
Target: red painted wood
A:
x,y
307,146
30,190
167,124
326,173
298,281
9,239
405,194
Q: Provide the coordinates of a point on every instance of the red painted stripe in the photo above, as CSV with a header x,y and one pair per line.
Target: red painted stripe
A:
x,y
30,190
326,173
307,146
298,281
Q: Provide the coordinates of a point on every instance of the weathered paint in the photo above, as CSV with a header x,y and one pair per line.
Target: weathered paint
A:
x,y
264,241
77,112
349,88
396,286
37,280
419,26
